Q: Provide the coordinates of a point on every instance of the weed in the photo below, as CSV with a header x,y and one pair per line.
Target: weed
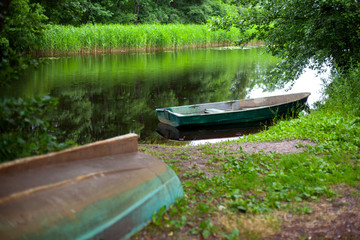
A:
x,y
228,204
98,37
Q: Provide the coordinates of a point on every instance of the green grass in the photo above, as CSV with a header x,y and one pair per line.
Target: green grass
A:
x,y
334,131
92,38
256,186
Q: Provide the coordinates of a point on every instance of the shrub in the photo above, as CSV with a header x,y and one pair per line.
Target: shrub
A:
x,y
23,130
343,92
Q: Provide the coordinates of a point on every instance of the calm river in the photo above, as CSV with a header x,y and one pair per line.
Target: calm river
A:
x,y
102,96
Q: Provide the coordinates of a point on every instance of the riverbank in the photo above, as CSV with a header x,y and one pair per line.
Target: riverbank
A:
x,y
40,53
129,87
98,38
298,179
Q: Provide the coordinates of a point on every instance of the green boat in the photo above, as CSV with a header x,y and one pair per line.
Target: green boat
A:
x,y
103,190
233,112
209,132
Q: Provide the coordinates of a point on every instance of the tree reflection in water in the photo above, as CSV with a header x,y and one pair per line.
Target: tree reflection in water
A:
x,y
102,96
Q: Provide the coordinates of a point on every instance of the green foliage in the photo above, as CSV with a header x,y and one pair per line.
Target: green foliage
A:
x,y
181,11
261,183
117,93
303,33
98,37
344,90
335,125
334,130
23,130
134,11
77,12
23,22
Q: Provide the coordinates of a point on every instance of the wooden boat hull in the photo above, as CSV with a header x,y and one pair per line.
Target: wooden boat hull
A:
x,y
233,112
106,190
209,132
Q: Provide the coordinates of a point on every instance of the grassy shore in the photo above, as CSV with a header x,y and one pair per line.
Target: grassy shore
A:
x,y
234,194
114,37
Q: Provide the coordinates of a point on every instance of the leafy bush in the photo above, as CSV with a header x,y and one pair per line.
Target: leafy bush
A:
x,y
344,91
302,33
21,24
23,130
138,11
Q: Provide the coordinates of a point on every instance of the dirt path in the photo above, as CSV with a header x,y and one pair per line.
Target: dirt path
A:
x,y
328,219
336,219
282,147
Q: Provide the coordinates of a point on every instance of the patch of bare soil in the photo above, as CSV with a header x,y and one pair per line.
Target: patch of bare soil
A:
x,y
194,158
282,147
337,219
329,219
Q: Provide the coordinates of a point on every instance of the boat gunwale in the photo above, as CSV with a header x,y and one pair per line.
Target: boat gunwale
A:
x,y
305,95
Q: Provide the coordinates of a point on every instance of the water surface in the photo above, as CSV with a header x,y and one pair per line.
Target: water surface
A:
x,y
102,96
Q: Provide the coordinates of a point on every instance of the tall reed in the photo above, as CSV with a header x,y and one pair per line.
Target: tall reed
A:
x,y
93,38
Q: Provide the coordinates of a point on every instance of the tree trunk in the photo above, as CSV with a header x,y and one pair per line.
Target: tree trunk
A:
x,y
136,11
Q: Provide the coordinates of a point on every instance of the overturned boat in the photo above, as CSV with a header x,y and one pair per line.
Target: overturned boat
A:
x,y
103,190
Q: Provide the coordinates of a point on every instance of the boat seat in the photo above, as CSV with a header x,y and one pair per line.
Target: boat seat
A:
x,y
213,110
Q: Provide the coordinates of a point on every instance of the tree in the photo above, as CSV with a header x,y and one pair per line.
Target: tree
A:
x,y
134,11
21,22
302,32
77,12
23,132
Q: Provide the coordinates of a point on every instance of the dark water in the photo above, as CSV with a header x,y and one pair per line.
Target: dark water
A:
x,y
102,96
